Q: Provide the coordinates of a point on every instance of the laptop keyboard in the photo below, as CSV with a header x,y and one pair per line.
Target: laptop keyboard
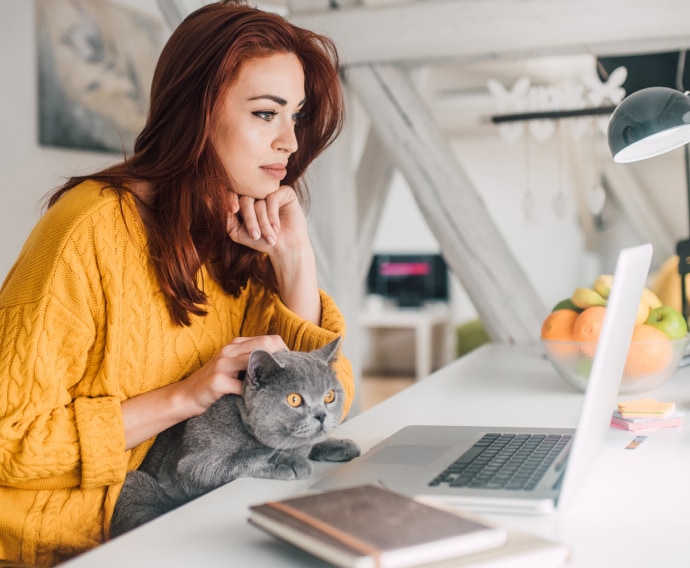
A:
x,y
504,461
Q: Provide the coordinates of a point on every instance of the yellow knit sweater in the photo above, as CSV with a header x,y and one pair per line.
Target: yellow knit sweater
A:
x,y
83,326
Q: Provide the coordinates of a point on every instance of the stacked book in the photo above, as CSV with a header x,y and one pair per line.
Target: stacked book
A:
x,y
368,526
646,414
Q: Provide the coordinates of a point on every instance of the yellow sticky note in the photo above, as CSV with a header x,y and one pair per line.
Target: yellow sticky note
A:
x,y
645,407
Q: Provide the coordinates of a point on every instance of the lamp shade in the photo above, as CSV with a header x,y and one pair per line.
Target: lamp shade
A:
x,y
647,123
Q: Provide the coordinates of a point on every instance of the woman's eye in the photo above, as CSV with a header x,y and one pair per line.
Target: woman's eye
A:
x,y
298,116
265,114
294,399
330,397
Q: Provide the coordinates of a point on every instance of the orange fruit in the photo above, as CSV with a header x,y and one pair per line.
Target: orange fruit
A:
x,y
650,351
587,328
558,325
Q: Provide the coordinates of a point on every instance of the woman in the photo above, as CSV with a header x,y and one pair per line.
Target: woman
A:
x,y
139,295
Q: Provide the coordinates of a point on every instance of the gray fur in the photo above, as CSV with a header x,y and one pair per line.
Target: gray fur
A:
x,y
256,435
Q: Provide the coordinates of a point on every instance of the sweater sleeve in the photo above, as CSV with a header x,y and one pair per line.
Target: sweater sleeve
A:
x,y
50,436
60,423
268,315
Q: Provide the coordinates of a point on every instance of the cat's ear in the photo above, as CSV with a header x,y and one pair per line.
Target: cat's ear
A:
x,y
261,363
327,352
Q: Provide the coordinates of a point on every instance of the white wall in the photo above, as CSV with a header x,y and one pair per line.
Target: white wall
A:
x,y
30,171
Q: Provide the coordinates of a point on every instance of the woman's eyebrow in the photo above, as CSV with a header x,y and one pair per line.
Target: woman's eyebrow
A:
x,y
275,99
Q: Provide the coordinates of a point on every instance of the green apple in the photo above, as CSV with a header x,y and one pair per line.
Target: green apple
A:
x,y
566,304
584,367
668,320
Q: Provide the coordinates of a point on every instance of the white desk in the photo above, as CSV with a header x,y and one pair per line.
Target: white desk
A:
x,y
422,321
633,512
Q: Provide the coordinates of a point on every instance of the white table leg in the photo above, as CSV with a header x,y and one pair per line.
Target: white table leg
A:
x,y
423,354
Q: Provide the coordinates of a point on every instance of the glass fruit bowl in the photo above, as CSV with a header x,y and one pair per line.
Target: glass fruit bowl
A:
x,y
648,365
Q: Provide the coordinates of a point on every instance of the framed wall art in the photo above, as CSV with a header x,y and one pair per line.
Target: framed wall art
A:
x,y
95,64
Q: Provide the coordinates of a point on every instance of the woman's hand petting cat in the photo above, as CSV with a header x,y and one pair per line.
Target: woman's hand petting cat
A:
x,y
272,225
149,413
220,375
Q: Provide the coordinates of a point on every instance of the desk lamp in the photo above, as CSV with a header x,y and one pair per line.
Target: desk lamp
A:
x,y
647,123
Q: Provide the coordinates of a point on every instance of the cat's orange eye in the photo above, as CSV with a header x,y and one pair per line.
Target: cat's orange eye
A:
x,y
330,397
294,399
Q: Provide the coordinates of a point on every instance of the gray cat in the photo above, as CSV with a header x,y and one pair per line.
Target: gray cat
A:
x,y
290,404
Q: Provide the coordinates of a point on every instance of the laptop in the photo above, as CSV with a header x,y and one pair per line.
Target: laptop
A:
x,y
436,462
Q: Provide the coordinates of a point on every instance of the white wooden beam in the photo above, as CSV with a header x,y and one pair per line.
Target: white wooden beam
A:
x,y
316,6
333,227
475,250
307,6
639,209
174,11
373,181
445,30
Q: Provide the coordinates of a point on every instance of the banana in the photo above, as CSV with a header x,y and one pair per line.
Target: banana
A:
x,y
586,297
651,299
666,284
602,285
642,313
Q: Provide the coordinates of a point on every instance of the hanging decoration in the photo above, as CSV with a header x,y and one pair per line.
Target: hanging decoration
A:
x,y
596,195
513,100
596,199
601,92
540,106
558,203
528,201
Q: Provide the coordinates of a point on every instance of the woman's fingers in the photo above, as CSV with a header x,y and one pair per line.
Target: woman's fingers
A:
x,y
220,375
260,218
256,223
249,216
245,345
233,358
275,201
265,227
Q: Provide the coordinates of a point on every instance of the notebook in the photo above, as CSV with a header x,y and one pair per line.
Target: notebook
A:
x,y
416,460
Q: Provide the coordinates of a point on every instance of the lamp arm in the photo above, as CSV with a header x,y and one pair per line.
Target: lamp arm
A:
x,y
683,251
686,152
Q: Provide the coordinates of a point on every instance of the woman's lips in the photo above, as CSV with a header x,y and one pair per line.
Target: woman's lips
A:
x,y
277,171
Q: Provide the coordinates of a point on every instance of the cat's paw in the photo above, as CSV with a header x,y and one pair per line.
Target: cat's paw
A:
x,y
335,450
288,466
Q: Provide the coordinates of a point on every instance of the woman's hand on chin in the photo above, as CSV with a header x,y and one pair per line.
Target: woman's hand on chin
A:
x,y
277,226
272,225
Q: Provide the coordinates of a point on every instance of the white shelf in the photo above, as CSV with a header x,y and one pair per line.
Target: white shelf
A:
x,y
422,321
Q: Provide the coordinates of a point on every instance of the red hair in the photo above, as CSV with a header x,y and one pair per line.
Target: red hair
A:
x,y
187,213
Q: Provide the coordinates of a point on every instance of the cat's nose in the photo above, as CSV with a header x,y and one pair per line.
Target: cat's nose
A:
x,y
320,416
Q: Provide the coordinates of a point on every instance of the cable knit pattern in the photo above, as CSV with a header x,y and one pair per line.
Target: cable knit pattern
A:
x,y
83,326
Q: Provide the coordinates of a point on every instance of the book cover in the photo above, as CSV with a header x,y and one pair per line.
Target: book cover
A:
x,y
368,526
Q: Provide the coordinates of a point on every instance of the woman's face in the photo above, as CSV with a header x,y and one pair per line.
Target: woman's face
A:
x,y
254,133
